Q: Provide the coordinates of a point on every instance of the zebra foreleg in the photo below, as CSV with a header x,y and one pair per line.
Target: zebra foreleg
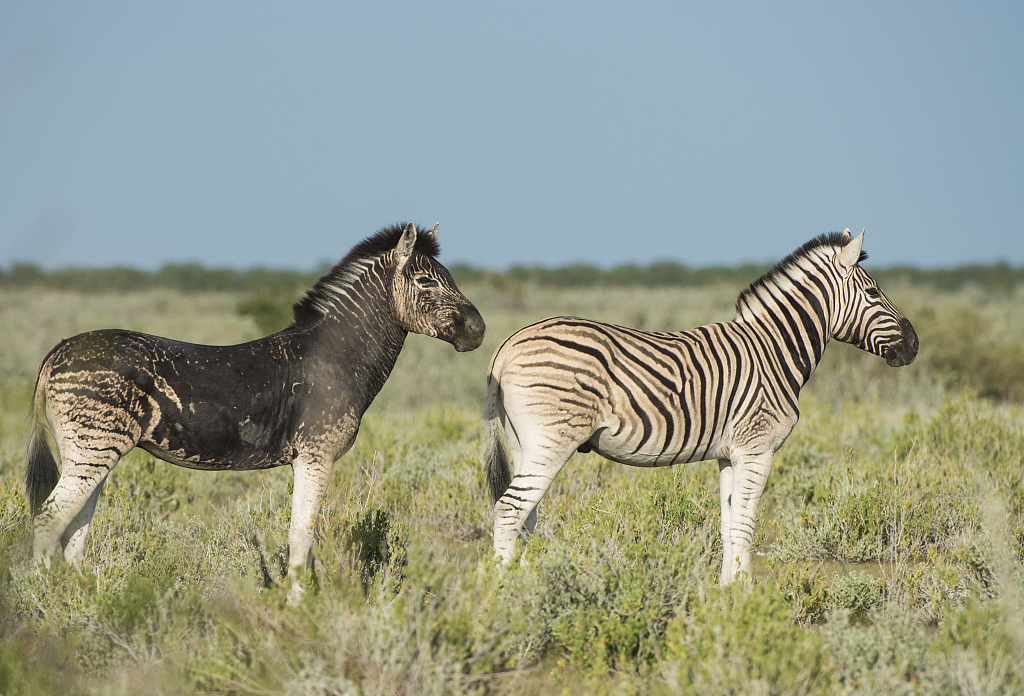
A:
x,y
748,477
311,481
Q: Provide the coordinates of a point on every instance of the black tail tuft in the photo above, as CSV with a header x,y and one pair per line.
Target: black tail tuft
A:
x,y
499,472
41,473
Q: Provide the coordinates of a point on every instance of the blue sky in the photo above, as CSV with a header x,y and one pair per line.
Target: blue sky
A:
x,y
243,134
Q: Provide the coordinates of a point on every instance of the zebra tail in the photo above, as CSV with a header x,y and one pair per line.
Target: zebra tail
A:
x,y
41,473
499,472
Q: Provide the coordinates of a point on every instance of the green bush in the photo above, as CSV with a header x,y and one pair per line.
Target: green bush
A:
x,y
741,641
883,652
857,592
270,309
34,664
605,608
962,347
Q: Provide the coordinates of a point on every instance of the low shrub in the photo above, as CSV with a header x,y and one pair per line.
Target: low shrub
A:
x,y
964,348
741,641
271,309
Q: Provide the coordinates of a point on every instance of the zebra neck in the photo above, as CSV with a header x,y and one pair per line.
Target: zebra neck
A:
x,y
796,328
361,330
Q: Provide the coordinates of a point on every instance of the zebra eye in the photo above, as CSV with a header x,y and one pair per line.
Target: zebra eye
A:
x,y
872,292
425,282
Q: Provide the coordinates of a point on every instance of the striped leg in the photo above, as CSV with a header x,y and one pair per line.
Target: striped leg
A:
x,y
534,466
518,506
725,477
95,421
68,510
312,478
749,475
73,539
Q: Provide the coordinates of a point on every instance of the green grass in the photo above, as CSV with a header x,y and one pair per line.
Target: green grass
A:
x,y
890,546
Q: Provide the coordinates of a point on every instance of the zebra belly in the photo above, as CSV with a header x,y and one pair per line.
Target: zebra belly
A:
x,y
626,450
237,461
241,449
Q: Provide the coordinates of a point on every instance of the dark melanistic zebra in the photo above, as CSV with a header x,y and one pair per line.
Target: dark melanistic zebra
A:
x,y
724,391
294,398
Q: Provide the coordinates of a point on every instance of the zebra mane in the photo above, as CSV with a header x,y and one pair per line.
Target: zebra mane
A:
x,y
320,298
832,239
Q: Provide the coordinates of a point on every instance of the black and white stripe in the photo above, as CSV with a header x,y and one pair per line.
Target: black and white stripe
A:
x,y
725,391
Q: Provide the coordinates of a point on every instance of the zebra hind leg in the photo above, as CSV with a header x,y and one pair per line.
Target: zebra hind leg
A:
x,y
68,511
515,513
729,565
73,538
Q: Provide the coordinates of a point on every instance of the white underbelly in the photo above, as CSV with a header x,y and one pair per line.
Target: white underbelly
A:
x,y
632,450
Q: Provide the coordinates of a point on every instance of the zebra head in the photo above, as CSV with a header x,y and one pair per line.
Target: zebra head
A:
x,y
427,300
866,317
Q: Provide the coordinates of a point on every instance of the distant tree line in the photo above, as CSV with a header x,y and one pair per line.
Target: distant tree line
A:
x,y
188,277
193,277
661,274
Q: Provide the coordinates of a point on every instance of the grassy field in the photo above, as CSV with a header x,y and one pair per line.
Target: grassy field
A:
x,y
890,547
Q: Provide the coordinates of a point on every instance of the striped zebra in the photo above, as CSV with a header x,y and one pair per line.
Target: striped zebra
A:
x,y
724,391
294,398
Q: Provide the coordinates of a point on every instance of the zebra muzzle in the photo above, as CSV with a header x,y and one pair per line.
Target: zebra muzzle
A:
x,y
469,330
903,352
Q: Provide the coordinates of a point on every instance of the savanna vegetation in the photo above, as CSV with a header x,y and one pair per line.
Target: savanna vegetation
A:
x,y
890,545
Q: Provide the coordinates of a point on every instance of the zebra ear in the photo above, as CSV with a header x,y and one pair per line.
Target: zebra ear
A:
x,y
432,232
846,235
849,255
407,243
